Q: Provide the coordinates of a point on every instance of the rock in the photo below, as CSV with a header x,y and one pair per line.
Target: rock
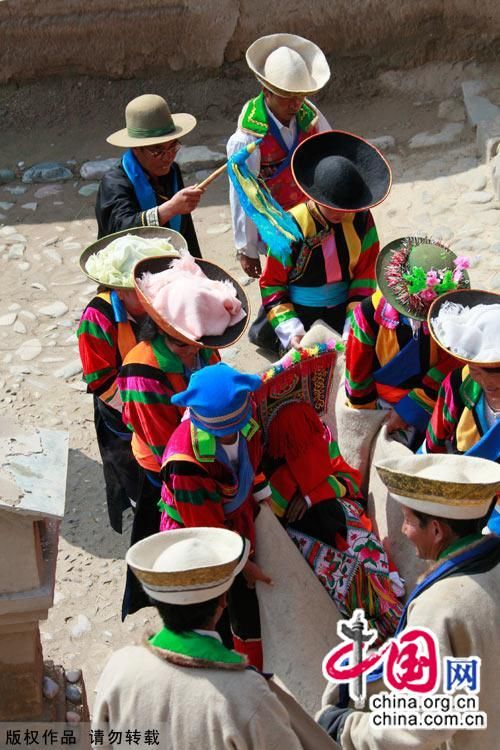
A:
x,y
488,139
202,174
8,319
442,233
218,228
6,231
95,170
383,142
48,171
55,310
53,255
5,206
452,110
16,190
73,675
24,266
74,694
495,247
72,717
478,107
90,189
474,180
19,327
30,206
83,625
477,196
48,190
69,370
28,315
193,158
6,175
16,251
15,238
40,287
49,687
448,134
29,350
72,246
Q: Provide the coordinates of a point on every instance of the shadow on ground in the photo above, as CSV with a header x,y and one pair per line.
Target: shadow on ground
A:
x,y
86,523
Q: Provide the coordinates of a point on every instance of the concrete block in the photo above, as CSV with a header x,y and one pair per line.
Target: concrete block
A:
x,y
21,553
488,138
21,675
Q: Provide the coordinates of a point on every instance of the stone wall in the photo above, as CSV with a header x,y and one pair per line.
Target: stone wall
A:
x,y
125,38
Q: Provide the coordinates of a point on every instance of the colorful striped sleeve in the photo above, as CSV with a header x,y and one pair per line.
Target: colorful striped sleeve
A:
x,y
276,300
98,347
363,283
417,407
360,386
147,409
194,494
444,419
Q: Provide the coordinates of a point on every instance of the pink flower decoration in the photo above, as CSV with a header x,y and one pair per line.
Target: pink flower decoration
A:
x,y
432,278
461,263
427,295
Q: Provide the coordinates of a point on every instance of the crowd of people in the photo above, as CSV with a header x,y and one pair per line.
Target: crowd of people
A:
x,y
195,447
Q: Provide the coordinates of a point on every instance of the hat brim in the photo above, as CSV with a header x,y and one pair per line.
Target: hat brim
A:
x,y
184,124
149,233
319,70
212,271
383,259
186,586
368,160
471,298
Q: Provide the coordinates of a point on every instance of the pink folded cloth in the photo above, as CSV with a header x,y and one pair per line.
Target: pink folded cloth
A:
x,y
191,302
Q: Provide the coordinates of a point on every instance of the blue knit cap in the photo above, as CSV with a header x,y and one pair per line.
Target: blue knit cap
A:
x,y
218,397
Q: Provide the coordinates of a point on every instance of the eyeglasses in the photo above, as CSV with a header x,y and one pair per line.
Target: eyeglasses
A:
x,y
163,151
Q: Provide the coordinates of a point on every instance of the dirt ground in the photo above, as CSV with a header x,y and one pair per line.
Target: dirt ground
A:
x,y
69,121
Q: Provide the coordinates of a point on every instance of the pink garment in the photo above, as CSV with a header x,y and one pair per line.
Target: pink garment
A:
x,y
194,304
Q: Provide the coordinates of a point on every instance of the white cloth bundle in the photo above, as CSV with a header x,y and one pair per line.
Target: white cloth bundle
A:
x,y
470,332
194,304
113,265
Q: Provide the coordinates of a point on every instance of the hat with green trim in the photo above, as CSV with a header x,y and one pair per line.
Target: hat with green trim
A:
x,y
413,271
148,120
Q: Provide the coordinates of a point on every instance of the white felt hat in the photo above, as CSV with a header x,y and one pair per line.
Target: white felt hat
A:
x,y
188,566
448,486
288,64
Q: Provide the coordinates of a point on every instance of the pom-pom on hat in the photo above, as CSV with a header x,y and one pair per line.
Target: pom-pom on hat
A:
x,y
218,397
188,566
413,271
342,171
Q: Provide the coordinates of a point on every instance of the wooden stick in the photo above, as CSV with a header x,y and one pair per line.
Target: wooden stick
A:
x,y
211,177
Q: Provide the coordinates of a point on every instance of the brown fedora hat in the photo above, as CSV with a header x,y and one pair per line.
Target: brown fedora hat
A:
x,y
148,121
148,233
212,271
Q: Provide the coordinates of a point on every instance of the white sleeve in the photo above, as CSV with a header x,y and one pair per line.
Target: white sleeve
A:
x,y
246,236
291,327
323,123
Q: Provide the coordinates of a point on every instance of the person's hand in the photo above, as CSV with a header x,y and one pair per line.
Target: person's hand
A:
x,y
251,266
395,423
295,341
297,507
183,202
253,573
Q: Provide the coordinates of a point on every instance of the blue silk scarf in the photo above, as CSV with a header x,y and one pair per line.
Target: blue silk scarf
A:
x,y
144,192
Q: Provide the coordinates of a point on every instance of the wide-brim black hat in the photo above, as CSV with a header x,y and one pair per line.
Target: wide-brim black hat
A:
x,y
340,170
212,271
148,233
468,298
